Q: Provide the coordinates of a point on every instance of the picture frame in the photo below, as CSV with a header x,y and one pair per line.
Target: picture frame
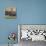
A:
x,y
10,13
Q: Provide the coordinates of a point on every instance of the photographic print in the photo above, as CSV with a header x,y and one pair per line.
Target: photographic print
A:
x,y
31,33
10,13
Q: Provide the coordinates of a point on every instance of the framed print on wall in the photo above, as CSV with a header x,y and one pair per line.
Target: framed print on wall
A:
x,y
32,32
10,13
28,33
